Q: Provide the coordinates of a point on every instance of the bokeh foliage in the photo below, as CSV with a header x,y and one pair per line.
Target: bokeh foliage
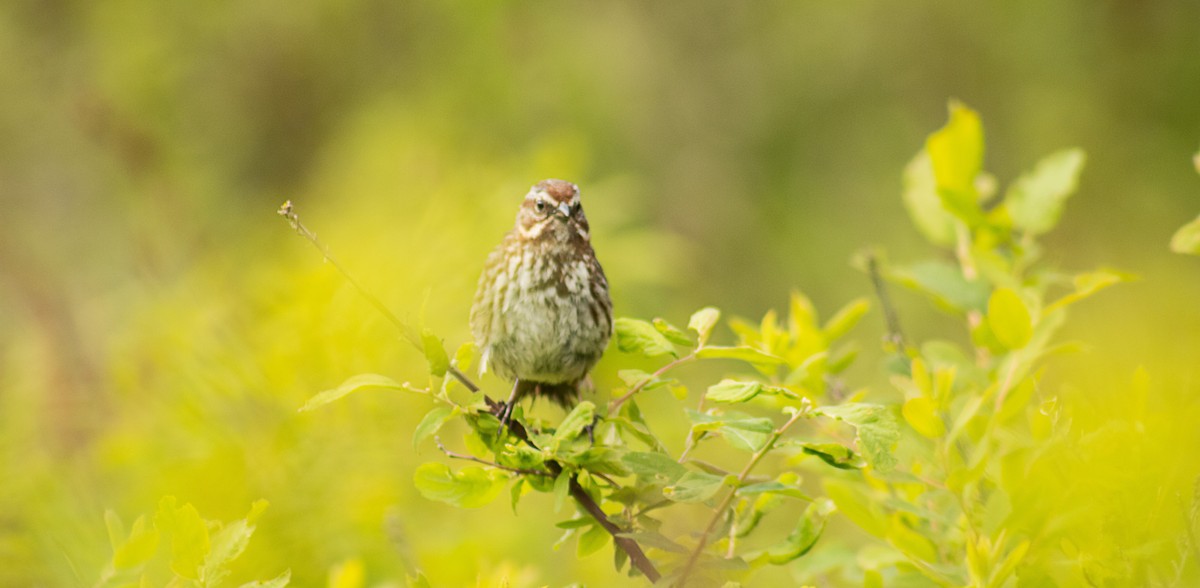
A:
x,y
158,328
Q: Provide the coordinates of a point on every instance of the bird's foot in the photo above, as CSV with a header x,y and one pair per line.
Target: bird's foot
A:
x,y
591,429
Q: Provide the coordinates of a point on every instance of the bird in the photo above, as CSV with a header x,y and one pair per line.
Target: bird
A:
x,y
542,315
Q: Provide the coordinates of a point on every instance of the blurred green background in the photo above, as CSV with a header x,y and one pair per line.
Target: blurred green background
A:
x,y
159,324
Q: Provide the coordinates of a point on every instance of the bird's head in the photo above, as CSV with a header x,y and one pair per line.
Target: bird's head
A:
x,y
552,210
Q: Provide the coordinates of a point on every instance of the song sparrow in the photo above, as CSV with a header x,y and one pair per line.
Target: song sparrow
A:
x,y
542,315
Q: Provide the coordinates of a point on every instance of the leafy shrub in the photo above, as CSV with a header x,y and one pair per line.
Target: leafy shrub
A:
x,y
930,469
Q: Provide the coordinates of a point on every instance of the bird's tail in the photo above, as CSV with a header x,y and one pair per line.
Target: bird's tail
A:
x,y
565,394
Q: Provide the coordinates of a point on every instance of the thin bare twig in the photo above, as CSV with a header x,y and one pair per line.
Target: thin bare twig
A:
x,y
456,455
724,504
288,212
894,335
614,405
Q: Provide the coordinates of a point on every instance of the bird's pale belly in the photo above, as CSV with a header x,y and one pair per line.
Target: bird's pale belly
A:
x,y
545,340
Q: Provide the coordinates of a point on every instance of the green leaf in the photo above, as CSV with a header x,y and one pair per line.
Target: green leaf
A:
x,y
654,467
834,454
464,356
515,493
640,337
470,487
279,581
562,489
573,424
741,431
703,321
910,541
435,353
845,319
138,548
591,541
733,391
604,460
189,536
431,423
877,430
747,354
1088,284
672,333
920,413
655,540
1009,319
956,152
802,539
694,487
648,381
852,501
353,384
578,523
1187,239
636,429
750,434
773,488
227,545
945,283
1035,201
923,203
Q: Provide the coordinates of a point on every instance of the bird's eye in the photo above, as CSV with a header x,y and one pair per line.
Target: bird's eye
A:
x,y
540,206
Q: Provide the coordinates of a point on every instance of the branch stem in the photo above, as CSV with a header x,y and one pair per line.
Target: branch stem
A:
x,y
456,455
410,334
894,335
725,502
616,404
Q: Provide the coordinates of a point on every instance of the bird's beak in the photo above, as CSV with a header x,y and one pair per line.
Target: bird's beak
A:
x,y
565,209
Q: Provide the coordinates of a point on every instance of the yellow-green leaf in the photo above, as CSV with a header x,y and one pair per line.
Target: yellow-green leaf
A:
x,y
693,487
703,321
920,414
747,354
435,353
138,548
910,541
1035,201
464,356
845,319
923,203
640,337
956,152
432,421
805,535
573,424
470,487
1009,319
591,541
353,384
672,333
189,536
876,428
1187,239
1088,284
852,501
279,581
733,391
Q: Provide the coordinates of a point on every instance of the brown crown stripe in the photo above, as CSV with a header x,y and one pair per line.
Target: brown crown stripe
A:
x,y
558,190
